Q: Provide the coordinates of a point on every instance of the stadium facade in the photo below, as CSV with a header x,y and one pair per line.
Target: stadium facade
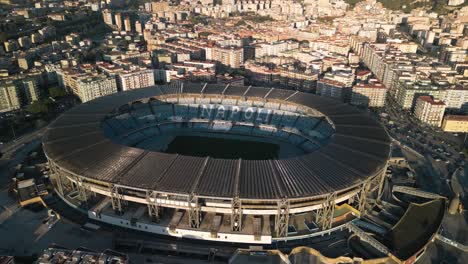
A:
x,y
100,163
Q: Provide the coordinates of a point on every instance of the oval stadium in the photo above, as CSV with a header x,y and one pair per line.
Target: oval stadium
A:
x,y
220,163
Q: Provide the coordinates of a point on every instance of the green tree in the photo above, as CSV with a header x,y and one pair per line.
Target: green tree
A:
x,y
57,92
240,23
204,34
258,19
39,107
199,19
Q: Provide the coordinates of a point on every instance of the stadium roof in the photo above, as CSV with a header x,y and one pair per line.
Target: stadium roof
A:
x,y
358,150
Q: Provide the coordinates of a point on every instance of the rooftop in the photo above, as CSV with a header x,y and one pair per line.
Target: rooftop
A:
x,y
370,85
457,118
431,100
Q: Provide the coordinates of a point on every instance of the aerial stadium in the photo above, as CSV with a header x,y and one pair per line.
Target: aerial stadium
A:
x,y
220,163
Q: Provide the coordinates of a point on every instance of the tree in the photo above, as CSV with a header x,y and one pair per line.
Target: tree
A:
x,y
204,34
199,19
257,18
39,107
237,72
240,23
57,92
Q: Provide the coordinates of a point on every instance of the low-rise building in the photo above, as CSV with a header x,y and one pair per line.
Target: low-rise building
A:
x,y
429,110
58,254
23,62
230,80
455,124
11,45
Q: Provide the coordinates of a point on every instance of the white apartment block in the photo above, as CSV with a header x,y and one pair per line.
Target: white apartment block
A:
x,y
406,47
92,87
429,111
456,97
407,92
274,48
9,97
107,17
31,89
134,80
346,78
369,95
451,55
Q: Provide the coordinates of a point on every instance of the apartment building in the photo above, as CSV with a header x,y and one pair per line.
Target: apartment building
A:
x,y
451,55
10,96
303,79
31,89
129,80
127,24
107,17
369,94
118,21
333,89
274,48
407,92
90,87
429,110
229,56
456,97
261,74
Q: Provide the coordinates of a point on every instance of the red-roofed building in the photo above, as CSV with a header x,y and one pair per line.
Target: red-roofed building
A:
x,y
363,75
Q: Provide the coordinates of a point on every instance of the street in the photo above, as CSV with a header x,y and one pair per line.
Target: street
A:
x,y
441,151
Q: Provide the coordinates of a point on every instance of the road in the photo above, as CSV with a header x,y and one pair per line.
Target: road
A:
x,y
441,151
61,105
9,148
439,168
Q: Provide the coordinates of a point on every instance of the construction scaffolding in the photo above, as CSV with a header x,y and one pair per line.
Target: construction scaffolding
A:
x,y
116,198
153,208
363,202
324,216
236,214
282,218
58,181
382,182
82,195
193,211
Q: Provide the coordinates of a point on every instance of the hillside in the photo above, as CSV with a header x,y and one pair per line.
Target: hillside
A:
x,y
438,6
